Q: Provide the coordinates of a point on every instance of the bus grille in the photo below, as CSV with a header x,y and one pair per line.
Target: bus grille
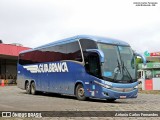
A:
x,y
122,89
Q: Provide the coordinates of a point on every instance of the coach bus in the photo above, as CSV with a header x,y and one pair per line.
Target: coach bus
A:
x,y
84,66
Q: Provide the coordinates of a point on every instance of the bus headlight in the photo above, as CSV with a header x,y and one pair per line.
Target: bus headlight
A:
x,y
103,85
136,86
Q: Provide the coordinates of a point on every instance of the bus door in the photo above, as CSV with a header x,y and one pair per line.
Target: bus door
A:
x,y
92,65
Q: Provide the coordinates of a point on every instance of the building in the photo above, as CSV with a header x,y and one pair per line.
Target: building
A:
x,y
8,61
152,57
149,74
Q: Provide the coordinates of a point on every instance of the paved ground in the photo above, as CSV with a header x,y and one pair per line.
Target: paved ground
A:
x,y
15,99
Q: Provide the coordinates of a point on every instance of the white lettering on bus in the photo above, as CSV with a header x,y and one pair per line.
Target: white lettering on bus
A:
x,y
44,68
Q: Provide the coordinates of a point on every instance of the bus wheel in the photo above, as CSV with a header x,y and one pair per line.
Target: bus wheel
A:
x,y
80,94
111,100
33,88
28,90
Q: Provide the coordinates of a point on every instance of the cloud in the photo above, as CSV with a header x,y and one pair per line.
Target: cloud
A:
x,y
36,22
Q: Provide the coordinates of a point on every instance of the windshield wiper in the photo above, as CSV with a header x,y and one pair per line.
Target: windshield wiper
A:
x,y
116,71
125,68
118,66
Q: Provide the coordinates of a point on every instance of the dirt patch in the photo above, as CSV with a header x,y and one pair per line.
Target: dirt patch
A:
x,y
149,91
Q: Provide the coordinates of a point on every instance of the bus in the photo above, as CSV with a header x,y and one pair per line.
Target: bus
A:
x,y
84,66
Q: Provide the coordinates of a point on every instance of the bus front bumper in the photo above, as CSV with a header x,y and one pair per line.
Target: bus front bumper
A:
x,y
112,94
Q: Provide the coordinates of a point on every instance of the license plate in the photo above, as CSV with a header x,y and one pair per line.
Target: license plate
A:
x,y
122,97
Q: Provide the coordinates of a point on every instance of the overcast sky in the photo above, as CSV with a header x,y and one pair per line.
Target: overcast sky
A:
x,y
37,22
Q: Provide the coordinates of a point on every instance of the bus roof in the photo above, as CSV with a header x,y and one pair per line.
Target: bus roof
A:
x,y
75,38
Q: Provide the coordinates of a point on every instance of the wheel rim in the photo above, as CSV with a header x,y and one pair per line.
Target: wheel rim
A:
x,y
80,92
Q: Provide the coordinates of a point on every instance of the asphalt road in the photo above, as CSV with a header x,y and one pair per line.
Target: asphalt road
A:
x,y
15,99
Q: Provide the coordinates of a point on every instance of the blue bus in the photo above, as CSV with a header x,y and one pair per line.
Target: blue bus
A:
x,y
85,66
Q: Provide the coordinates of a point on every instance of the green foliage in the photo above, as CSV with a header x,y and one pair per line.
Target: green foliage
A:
x,y
138,60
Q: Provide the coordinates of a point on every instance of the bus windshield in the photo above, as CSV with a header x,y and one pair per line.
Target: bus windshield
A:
x,y
119,64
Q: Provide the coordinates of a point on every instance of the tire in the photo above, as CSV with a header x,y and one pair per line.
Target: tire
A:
x,y
28,89
80,94
33,88
110,100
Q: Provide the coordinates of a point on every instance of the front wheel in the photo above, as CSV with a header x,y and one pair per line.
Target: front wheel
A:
x,y
80,94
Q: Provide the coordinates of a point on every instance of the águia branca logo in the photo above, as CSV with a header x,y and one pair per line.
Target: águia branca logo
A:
x,y
45,68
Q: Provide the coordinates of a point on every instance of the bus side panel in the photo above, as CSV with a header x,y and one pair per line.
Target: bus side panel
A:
x,y
20,77
64,82
24,75
56,82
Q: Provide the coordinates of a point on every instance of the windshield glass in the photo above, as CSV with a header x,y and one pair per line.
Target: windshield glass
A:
x,y
118,64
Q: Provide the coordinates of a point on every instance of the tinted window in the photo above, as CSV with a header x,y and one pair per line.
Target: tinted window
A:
x,y
25,58
88,44
92,64
54,53
70,51
74,52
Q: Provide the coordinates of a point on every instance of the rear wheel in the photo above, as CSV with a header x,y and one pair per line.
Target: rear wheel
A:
x,y
27,86
33,88
80,94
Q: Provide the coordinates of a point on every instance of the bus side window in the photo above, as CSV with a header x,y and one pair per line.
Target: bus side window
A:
x,y
74,52
88,44
24,59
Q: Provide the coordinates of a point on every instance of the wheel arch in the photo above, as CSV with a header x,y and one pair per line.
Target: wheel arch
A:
x,y
77,83
30,82
33,81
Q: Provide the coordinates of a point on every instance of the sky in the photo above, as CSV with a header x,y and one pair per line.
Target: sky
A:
x,y
36,22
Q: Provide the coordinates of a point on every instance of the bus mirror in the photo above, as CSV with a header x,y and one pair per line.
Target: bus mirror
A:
x,y
99,52
142,57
